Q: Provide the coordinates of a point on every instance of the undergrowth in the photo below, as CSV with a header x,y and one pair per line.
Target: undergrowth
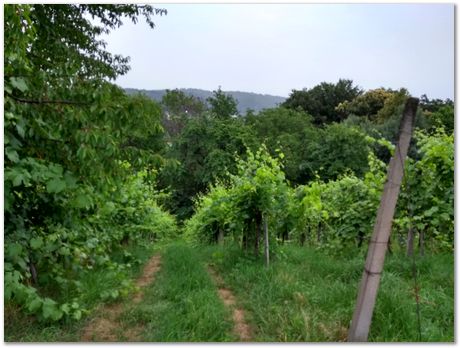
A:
x,y
100,287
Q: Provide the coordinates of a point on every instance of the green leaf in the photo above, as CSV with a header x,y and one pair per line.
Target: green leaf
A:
x,y
108,208
77,315
12,155
13,250
65,308
8,266
8,89
81,201
57,314
49,306
51,310
8,292
34,305
114,294
19,83
64,251
431,211
56,169
18,179
55,186
36,243
70,181
22,264
20,130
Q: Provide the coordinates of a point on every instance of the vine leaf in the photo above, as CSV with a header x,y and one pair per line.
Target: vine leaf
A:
x,y
36,243
55,186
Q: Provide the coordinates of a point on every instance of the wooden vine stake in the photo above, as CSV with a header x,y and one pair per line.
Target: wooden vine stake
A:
x,y
378,244
267,250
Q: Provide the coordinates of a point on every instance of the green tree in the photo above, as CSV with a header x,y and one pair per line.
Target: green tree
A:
x,y
67,135
443,117
222,105
366,104
337,150
286,130
176,102
392,106
433,105
438,113
177,108
204,152
321,101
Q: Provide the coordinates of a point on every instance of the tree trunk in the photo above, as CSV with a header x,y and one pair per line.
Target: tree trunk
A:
x,y
318,233
410,241
33,272
256,244
285,235
220,236
360,239
256,241
421,243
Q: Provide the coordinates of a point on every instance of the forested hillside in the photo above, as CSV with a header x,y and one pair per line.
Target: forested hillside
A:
x,y
245,100
103,189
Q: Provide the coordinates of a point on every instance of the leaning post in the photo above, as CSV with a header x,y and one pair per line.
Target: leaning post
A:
x,y
378,244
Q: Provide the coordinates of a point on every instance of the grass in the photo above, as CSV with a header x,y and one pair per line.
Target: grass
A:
x,y
308,296
304,296
19,327
182,305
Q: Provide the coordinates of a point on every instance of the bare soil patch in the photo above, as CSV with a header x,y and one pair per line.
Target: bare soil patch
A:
x,y
148,275
103,328
106,327
227,296
240,327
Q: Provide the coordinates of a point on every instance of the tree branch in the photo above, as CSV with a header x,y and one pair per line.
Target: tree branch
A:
x,y
32,101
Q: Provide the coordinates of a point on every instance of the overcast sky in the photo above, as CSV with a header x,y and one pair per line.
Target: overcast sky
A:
x,y
274,48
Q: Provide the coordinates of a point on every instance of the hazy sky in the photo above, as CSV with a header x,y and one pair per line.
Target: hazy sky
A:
x,y
274,48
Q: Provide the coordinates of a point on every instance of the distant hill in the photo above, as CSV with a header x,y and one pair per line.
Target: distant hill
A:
x,y
246,100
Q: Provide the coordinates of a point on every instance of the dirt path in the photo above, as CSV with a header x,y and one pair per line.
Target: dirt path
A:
x,y
106,327
240,328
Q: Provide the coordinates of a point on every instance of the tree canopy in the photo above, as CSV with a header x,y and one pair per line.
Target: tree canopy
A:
x,y
321,101
222,105
80,155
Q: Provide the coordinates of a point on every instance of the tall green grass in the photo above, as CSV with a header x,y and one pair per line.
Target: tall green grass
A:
x,y
309,296
182,305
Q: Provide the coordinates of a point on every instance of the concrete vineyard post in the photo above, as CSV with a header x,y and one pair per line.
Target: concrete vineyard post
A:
x,y
378,244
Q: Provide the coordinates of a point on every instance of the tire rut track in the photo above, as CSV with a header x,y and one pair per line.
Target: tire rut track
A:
x,y
240,327
107,327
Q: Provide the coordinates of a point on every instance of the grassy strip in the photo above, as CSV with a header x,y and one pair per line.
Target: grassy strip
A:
x,y
309,296
182,305
24,328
